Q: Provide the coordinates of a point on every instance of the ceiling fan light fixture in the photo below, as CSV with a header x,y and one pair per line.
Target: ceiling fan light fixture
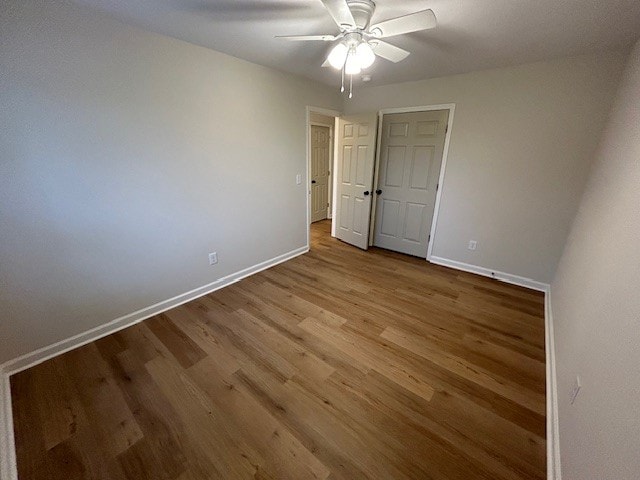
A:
x,y
338,56
352,65
359,42
365,55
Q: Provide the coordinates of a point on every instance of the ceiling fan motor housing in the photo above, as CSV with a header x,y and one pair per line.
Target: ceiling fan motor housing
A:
x,y
362,10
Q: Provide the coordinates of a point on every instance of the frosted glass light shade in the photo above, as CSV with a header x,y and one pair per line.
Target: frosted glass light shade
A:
x,y
365,55
338,55
352,67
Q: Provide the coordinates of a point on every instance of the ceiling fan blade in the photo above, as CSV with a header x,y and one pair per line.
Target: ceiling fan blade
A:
x,y
413,22
390,52
339,11
307,38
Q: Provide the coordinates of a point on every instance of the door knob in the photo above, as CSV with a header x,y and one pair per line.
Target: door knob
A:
x,y
366,193
313,181
379,192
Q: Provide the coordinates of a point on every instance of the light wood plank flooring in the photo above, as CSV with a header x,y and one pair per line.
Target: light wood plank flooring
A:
x,y
339,364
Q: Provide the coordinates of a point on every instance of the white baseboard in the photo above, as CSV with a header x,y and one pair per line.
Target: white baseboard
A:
x,y
553,428
30,359
486,272
7,443
553,432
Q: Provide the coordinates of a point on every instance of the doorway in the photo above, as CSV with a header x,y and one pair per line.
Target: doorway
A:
x,y
321,135
321,125
387,186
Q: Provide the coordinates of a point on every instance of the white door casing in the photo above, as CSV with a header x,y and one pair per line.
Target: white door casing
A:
x,y
354,178
412,147
320,165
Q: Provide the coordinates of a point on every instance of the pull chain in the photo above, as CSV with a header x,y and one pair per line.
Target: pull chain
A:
x,y
350,86
342,88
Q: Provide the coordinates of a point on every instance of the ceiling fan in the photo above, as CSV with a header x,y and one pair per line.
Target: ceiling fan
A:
x,y
358,41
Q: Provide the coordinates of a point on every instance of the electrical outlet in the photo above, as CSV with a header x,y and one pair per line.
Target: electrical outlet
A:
x,y
577,385
213,258
298,179
472,245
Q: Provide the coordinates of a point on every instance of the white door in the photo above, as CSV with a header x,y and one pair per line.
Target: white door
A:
x,y
356,147
411,151
320,161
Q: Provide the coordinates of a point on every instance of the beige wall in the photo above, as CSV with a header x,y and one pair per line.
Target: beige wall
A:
x,y
595,301
521,144
126,157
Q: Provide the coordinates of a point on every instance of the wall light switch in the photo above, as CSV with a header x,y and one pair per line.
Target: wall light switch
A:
x,y
298,179
472,244
213,258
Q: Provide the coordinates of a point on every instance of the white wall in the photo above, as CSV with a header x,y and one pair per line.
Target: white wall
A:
x,y
125,158
521,144
596,306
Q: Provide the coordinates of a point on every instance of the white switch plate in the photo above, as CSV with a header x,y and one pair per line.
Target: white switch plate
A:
x,y
577,385
213,258
298,179
472,244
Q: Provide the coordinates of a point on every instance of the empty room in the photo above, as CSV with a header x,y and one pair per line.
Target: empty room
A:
x,y
319,239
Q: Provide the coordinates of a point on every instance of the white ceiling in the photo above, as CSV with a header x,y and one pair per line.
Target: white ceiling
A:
x,y
471,34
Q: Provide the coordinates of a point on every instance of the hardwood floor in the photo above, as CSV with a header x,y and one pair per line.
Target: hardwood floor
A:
x,y
339,364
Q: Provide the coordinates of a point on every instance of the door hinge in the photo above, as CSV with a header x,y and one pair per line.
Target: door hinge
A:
x,y
429,239
327,204
437,186
446,128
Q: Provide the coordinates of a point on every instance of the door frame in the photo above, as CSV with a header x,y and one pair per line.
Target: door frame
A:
x,y
330,180
330,113
451,107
